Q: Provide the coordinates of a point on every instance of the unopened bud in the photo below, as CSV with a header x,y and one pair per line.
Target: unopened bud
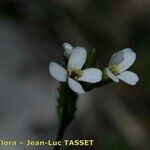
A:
x,y
68,49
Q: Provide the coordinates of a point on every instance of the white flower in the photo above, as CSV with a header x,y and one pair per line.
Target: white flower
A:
x,y
118,65
74,72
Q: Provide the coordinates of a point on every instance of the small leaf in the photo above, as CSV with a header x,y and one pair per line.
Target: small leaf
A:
x,y
91,59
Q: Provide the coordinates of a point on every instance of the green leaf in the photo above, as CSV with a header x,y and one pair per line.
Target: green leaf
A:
x,y
91,59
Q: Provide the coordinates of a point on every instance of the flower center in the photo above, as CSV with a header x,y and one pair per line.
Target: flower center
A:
x,y
114,69
75,74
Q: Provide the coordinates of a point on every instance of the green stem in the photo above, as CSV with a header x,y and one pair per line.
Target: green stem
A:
x,y
66,109
60,135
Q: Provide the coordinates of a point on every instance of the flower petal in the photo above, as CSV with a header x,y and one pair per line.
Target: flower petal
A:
x,y
68,49
91,75
129,77
111,75
77,58
116,58
75,86
128,59
58,72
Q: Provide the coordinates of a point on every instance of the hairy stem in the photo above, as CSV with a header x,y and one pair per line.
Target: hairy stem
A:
x,y
66,109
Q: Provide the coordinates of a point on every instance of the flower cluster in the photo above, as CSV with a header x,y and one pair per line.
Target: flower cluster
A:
x,y
75,71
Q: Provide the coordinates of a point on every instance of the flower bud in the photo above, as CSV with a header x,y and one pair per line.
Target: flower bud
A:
x,y
68,49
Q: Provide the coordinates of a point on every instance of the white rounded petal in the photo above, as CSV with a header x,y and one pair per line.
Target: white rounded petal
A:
x,y
111,75
91,75
77,58
129,77
58,72
116,58
68,48
75,86
128,59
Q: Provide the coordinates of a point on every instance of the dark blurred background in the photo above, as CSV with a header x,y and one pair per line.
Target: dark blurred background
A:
x,y
117,116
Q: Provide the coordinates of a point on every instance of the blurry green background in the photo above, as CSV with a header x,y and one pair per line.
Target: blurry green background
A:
x,y
117,116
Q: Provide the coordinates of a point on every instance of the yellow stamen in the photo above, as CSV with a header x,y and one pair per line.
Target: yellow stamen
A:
x,y
75,74
114,69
